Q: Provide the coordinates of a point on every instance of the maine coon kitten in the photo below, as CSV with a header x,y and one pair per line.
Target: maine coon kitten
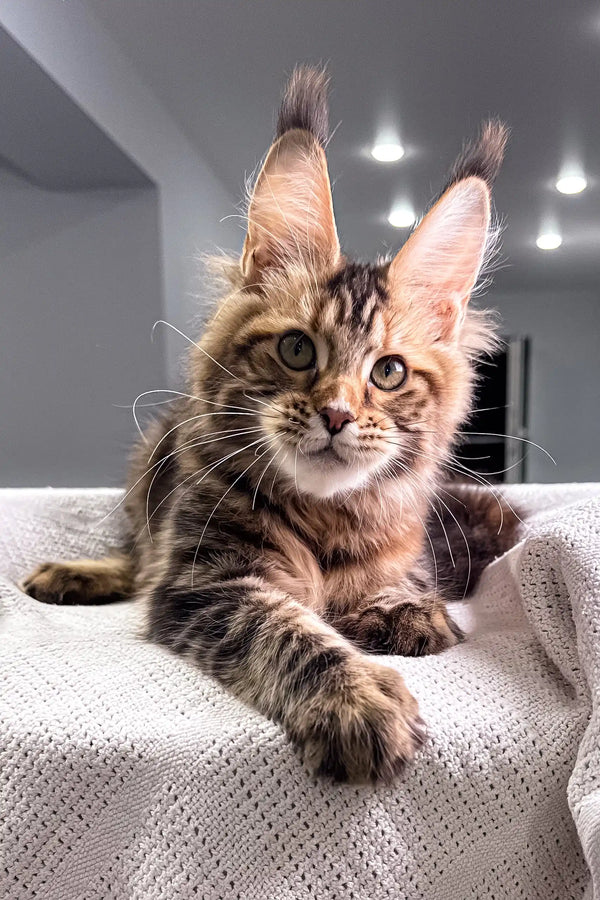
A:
x,y
277,512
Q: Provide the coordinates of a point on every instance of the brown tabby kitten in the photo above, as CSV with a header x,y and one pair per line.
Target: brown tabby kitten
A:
x,y
277,512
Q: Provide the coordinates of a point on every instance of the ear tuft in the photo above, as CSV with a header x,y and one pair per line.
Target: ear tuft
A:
x,y
290,215
304,104
482,157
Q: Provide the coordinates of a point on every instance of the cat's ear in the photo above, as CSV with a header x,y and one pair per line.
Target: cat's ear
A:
x,y
290,218
438,266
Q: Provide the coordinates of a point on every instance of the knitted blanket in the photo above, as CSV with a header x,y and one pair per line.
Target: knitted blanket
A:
x,y
126,773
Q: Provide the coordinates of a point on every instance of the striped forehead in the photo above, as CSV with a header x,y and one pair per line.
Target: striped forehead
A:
x,y
350,312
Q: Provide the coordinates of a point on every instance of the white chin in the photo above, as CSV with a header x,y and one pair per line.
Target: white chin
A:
x,y
323,478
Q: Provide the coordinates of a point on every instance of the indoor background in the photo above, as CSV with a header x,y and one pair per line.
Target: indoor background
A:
x,y
129,127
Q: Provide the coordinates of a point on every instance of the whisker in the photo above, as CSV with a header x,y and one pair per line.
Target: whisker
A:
x,y
269,405
202,416
201,349
496,472
210,466
468,549
514,437
414,478
216,506
469,569
277,452
428,536
296,467
459,469
179,394
187,446
511,437
144,405
281,461
229,435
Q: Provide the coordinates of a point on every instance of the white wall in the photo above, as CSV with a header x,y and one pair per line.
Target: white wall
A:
x,y
79,292
564,390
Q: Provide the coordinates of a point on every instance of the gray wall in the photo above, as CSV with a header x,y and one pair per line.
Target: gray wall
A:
x,y
564,404
73,47
85,275
79,292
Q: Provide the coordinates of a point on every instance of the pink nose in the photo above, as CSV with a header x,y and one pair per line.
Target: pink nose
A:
x,y
335,419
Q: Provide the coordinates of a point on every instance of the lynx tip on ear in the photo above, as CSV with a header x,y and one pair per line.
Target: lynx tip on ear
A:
x,y
304,104
482,157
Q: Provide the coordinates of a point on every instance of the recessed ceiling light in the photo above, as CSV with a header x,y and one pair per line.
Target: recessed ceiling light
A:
x,y
387,152
571,184
550,241
402,216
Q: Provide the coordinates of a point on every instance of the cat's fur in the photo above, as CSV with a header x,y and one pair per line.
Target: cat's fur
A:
x,y
274,554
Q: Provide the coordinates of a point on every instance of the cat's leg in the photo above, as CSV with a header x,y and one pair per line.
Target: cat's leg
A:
x,y
351,717
82,581
405,620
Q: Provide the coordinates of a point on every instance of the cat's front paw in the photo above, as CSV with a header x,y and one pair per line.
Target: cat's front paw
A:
x,y
58,583
365,732
403,628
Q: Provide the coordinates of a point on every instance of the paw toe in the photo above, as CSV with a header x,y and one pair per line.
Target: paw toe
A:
x,y
53,583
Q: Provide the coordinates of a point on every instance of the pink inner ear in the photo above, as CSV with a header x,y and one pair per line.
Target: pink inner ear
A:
x,y
290,219
439,264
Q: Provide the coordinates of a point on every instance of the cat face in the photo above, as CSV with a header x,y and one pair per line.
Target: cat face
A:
x,y
360,373
351,382
356,388
350,404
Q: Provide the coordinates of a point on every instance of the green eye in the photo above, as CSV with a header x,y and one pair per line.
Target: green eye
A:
x,y
297,351
389,373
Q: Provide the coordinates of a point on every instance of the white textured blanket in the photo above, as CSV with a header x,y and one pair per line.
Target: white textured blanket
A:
x,y
128,774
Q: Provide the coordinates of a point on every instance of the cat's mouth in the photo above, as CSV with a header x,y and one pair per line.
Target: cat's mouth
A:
x,y
337,452
327,454
328,467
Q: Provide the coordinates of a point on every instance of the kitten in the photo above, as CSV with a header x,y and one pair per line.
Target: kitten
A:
x,y
277,512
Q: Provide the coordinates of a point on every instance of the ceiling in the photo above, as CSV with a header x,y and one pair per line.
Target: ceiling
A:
x,y
47,138
432,68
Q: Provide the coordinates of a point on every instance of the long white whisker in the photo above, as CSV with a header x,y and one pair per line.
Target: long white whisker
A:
x,y
415,480
514,437
178,394
227,436
466,545
201,349
468,549
269,405
210,466
202,416
459,469
231,486
277,470
296,468
425,529
277,452
511,437
187,446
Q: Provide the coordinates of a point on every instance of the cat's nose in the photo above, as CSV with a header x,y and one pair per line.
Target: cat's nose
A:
x,y
335,419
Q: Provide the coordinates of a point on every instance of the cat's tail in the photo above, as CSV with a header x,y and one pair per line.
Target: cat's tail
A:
x,y
469,529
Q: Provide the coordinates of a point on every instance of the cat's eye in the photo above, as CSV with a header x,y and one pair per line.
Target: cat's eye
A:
x,y
297,351
389,373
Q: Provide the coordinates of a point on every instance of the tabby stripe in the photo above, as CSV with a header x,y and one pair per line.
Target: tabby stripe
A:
x,y
316,673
